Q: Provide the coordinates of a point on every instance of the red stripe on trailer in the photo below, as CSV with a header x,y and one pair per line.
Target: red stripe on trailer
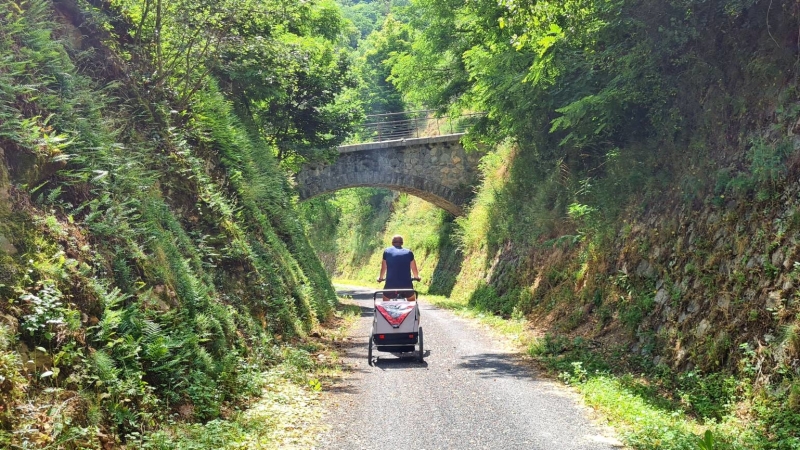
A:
x,y
395,313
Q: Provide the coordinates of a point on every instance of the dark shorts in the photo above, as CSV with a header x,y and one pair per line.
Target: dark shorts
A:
x,y
395,294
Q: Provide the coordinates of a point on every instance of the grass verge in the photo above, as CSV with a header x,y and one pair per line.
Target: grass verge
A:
x,y
636,405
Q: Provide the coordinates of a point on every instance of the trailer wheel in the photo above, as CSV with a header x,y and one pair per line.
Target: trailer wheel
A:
x,y
421,354
369,351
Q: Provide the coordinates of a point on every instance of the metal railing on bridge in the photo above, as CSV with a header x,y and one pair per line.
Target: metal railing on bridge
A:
x,y
411,124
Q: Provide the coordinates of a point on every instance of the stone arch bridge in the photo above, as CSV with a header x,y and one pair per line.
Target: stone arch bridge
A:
x,y
436,169
413,152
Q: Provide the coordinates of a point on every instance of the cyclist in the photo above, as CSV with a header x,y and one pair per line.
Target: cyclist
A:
x,y
398,269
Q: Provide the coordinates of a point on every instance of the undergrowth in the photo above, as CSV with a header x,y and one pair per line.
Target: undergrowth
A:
x,y
657,407
153,269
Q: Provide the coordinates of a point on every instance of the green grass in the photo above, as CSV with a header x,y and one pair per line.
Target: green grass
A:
x,y
641,424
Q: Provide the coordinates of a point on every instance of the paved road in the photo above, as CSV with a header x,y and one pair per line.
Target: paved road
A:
x,y
468,394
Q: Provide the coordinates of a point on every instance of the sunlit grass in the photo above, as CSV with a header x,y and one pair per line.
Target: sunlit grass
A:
x,y
516,330
641,425
644,426
287,415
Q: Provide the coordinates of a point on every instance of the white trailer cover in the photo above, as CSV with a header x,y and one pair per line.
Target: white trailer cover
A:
x,y
396,317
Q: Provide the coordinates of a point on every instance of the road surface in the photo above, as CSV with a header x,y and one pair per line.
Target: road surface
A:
x,y
469,393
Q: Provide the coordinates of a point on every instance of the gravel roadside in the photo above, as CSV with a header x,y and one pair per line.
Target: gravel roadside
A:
x,y
470,393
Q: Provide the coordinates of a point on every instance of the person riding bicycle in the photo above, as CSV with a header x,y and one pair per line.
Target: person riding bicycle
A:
x,y
398,269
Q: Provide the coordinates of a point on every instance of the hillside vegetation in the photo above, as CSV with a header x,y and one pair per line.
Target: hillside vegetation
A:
x,y
639,207
152,262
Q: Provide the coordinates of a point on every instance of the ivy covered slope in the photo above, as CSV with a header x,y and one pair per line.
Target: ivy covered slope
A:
x,y
150,253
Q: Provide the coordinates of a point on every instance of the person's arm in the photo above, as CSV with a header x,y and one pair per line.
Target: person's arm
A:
x,y
414,271
382,276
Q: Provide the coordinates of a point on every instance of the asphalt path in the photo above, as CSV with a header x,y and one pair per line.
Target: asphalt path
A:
x,y
469,393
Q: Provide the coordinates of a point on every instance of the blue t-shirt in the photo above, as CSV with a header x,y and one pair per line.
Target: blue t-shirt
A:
x,y
398,268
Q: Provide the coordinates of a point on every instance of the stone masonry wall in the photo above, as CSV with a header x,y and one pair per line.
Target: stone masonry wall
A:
x,y
436,169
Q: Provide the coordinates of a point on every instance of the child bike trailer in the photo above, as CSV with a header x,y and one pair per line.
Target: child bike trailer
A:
x,y
395,325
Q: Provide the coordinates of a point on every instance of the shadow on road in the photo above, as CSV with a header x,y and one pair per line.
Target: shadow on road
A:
x,y
340,386
360,295
386,362
367,311
352,345
494,365
355,294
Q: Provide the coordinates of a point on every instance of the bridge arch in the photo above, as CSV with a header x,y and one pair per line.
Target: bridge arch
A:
x,y
428,190
436,169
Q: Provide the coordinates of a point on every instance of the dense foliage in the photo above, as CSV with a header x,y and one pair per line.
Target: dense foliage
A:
x,y
152,260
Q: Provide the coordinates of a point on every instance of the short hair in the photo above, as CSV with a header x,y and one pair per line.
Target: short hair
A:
x,y
397,239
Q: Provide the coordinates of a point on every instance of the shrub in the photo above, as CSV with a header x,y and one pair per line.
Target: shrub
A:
x,y
12,383
485,298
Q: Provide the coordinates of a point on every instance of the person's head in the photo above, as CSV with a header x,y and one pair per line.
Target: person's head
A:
x,y
397,241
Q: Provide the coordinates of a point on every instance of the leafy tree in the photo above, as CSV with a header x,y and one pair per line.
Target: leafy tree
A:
x,y
294,86
365,17
432,72
299,103
283,62
581,69
374,66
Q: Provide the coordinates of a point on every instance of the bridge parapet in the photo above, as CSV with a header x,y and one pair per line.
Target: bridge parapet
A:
x,y
411,125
